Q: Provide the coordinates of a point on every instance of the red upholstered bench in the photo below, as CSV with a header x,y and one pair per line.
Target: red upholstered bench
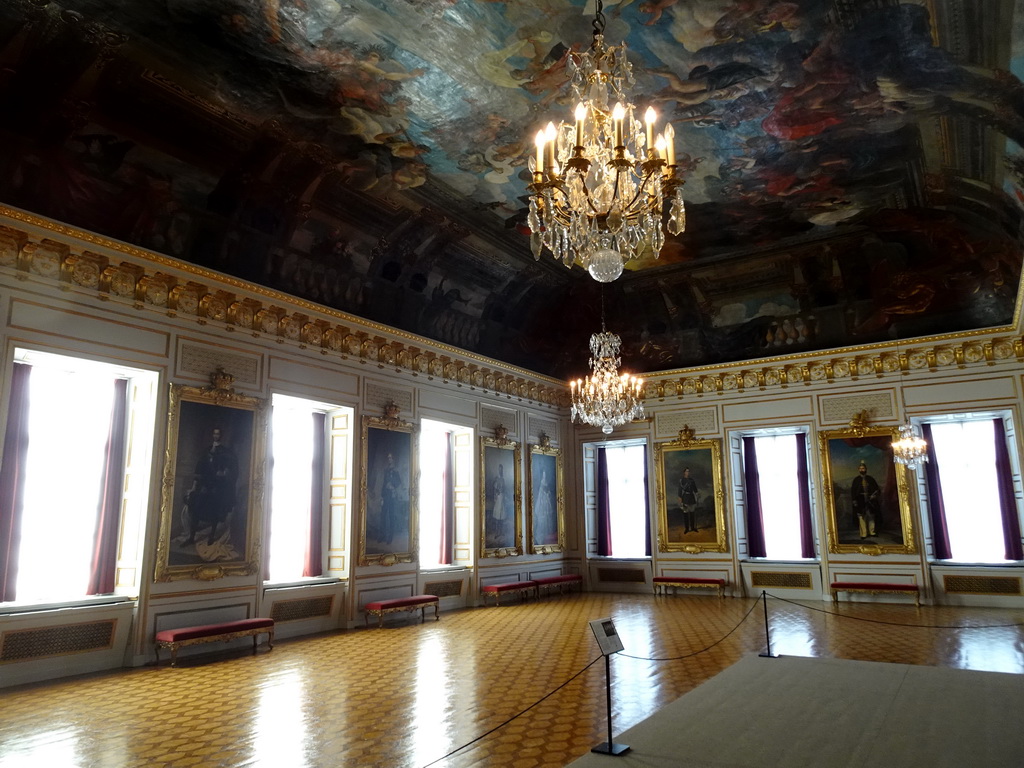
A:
x,y
379,607
521,587
562,581
662,583
875,588
208,633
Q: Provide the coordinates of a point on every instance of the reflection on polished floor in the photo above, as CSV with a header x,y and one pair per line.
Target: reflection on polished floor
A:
x,y
409,694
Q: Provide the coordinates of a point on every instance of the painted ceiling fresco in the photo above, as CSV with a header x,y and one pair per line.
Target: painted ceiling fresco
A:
x,y
853,168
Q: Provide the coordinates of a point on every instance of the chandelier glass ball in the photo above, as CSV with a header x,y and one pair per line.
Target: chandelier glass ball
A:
x,y
605,265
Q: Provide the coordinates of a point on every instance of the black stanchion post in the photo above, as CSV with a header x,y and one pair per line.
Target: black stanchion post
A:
x,y
767,636
609,747
608,639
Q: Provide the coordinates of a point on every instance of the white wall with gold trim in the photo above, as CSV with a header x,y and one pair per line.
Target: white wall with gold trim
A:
x,y
67,291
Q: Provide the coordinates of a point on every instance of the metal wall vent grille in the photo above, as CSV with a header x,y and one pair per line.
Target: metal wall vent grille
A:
x,y
305,608
981,585
25,644
444,588
633,575
780,580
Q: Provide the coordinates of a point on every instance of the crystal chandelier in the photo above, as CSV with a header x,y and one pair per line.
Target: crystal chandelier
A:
x,y
606,398
600,183
910,450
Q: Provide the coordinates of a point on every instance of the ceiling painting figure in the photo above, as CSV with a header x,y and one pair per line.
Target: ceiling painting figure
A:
x,y
859,164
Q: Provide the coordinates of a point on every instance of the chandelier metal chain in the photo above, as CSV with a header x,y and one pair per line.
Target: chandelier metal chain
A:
x,y
606,398
600,183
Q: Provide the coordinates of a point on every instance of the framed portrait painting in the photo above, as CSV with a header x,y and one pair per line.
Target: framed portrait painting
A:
x,y
389,491
212,501
545,517
691,500
865,492
501,530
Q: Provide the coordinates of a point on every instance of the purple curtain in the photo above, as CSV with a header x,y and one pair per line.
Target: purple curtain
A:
x,y
12,480
103,569
936,506
446,556
803,489
752,483
1007,499
604,517
647,507
313,562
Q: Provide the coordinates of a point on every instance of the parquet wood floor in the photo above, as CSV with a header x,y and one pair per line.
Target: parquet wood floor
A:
x,y
409,694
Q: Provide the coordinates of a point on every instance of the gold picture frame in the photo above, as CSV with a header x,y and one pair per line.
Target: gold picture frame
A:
x,y
213,487
388,490
884,495
692,467
500,512
545,515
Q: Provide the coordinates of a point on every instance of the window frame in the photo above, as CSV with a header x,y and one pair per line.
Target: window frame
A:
x,y
739,490
335,513
589,455
1007,416
144,399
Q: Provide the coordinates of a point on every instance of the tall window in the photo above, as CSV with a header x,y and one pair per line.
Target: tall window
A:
x,y
445,495
623,517
776,496
79,436
971,499
309,461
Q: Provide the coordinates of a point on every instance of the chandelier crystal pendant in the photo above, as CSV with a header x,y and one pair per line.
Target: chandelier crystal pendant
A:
x,y
910,449
606,398
601,182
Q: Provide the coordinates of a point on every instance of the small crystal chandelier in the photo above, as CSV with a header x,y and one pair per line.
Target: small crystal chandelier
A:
x,y
606,398
600,183
911,449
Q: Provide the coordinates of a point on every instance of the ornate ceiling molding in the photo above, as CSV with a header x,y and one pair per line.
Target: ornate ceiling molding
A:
x,y
36,248
936,355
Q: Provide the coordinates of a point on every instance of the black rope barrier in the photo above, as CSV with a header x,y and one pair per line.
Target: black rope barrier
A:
x,y
518,714
695,653
893,623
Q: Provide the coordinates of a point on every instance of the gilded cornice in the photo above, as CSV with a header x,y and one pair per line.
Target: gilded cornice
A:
x,y
932,355
38,248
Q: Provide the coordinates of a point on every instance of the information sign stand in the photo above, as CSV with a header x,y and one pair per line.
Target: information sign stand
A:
x,y
609,642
